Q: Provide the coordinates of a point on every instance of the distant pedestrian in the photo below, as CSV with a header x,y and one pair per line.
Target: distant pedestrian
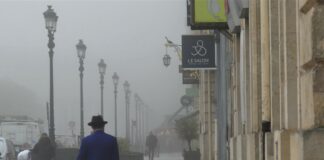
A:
x,y
43,149
151,144
98,145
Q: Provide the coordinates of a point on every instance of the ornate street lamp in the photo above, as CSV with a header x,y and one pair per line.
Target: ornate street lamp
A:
x,y
127,96
166,60
50,24
102,70
50,19
115,81
81,50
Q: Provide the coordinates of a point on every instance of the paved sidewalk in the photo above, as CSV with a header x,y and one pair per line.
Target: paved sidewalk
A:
x,y
164,156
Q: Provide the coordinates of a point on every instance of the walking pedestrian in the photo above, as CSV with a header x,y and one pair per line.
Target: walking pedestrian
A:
x,y
98,145
43,149
151,143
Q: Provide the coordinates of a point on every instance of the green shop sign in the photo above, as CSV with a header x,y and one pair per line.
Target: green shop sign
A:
x,y
208,14
210,11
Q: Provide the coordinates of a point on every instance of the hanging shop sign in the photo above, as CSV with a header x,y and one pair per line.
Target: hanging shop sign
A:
x,y
198,52
207,14
190,77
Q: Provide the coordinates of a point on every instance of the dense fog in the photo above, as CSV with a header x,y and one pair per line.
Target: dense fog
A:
x,y
128,35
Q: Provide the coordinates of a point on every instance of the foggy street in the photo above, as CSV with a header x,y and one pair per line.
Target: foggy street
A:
x,y
190,79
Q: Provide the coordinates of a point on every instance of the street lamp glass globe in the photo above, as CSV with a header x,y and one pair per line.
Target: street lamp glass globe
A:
x,y
126,86
50,19
81,49
166,60
102,67
115,78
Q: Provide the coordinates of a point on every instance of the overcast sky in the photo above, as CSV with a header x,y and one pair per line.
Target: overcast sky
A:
x,y
127,34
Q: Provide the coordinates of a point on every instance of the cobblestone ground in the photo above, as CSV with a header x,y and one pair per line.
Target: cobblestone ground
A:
x,y
164,156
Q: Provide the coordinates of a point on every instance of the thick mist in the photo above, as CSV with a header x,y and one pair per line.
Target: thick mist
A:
x,y
128,35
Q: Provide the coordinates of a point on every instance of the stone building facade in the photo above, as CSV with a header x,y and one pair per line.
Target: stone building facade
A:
x,y
206,116
276,107
265,101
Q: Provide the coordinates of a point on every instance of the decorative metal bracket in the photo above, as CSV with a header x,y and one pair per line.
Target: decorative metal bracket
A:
x,y
177,48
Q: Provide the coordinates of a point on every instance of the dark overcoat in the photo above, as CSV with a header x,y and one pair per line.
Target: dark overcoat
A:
x,y
99,146
43,150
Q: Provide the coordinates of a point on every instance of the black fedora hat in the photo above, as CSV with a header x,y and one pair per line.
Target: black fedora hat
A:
x,y
97,121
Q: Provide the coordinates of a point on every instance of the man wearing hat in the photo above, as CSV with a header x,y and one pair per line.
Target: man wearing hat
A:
x,y
98,145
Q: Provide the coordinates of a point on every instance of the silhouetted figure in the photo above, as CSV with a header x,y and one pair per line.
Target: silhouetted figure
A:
x,y
43,149
151,143
98,145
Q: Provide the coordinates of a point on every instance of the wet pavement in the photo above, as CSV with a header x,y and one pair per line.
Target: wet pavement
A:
x,y
169,156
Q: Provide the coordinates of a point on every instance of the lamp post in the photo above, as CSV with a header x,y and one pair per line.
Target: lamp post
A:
x,y
146,119
139,122
133,138
50,23
102,70
137,101
81,50
142,125
115,81
127,96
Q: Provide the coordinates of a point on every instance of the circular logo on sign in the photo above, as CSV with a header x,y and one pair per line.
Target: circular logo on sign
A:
x,y
186,100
